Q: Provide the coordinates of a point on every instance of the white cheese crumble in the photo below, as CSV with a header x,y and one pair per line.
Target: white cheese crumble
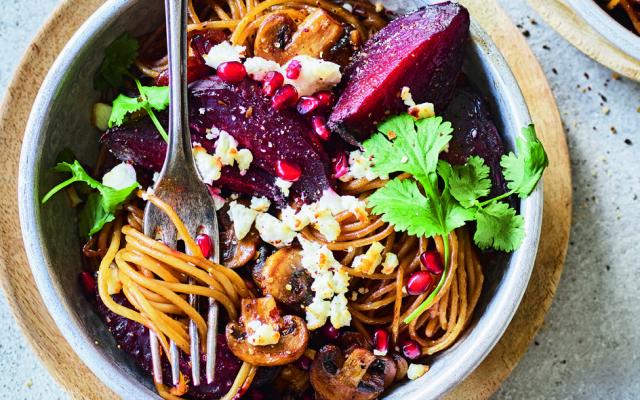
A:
x,y
223,52
416,371
369,261
101,115
317,313
405,95
120,177
244,159
274,231
422,111
209,166
226,148
339,314
260,334
390,263
360,167
315,75
260,204
284,186
258,67
242,218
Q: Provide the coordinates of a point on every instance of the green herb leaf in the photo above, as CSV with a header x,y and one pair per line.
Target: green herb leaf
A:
x,y
404,145
118,57
108,199
122,106
499,227
402,205
157,96
525,170
467,182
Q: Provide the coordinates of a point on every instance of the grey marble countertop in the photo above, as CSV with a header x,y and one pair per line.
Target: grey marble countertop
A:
x,y
589,346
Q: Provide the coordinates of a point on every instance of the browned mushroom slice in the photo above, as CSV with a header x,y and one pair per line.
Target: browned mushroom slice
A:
x,y
262,337
361,376
401,366
283,277
279,38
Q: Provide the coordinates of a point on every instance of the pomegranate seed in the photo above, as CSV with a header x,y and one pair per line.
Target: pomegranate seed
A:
x,y
419,282
340,165
288,171
284,97
432,261
204,242
411,349
381,342
320,127
304,363
231,72
307,104
293,69
330,332
325,98
88,282
272,81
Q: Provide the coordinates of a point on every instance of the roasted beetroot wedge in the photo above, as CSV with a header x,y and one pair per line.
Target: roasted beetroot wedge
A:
x,y
273,136
422,50
474,134
140,144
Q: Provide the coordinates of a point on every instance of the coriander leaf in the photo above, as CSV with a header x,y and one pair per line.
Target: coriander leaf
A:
x,y
499,227
118,57
112,198
455,214
122,106
93,216
467,182
525,170
402,205
404,145
157,96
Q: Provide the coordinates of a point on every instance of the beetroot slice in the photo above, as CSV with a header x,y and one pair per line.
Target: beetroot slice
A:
x,y
140,144
474,134
422,50
133,339
271,135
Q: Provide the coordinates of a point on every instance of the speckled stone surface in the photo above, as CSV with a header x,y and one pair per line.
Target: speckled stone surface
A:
x,y
590,344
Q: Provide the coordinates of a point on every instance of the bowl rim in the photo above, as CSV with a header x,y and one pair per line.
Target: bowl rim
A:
x,y
602,22
124,384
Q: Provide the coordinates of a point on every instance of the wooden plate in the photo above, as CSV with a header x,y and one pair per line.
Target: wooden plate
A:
x,y
76,378
578,32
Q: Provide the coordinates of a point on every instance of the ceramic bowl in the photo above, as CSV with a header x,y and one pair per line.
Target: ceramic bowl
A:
x,y
607,26
61,118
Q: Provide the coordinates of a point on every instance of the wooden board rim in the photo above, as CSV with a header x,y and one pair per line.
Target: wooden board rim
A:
x,y
47,342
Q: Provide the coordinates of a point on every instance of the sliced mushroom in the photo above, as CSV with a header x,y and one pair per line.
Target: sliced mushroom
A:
x,y
401,366
279,38
362,376
283,277
292,331
350,341
236,253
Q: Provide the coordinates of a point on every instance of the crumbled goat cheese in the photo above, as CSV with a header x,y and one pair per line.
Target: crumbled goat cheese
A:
x,y
244,159
226,148
223,52
209,166
260,204
294,219
242,218
339,314
260,334
360,167
422,111
315,75
284,186
274,231
369,261
416,371
317,313
390,263
121,176
258,67
322,285
405,95
213,133
316,257
326,224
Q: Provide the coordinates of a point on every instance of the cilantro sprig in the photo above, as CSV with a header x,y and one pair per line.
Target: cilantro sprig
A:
x,y
151,98
118,57
101,205
440,197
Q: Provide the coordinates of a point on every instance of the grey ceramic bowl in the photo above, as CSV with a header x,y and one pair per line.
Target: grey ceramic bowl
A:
x,y
607,26
61,118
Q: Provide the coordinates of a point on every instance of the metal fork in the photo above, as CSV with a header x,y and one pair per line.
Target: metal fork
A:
x,y
179,185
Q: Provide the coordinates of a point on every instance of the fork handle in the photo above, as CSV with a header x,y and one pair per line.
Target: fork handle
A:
x,y
179,153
